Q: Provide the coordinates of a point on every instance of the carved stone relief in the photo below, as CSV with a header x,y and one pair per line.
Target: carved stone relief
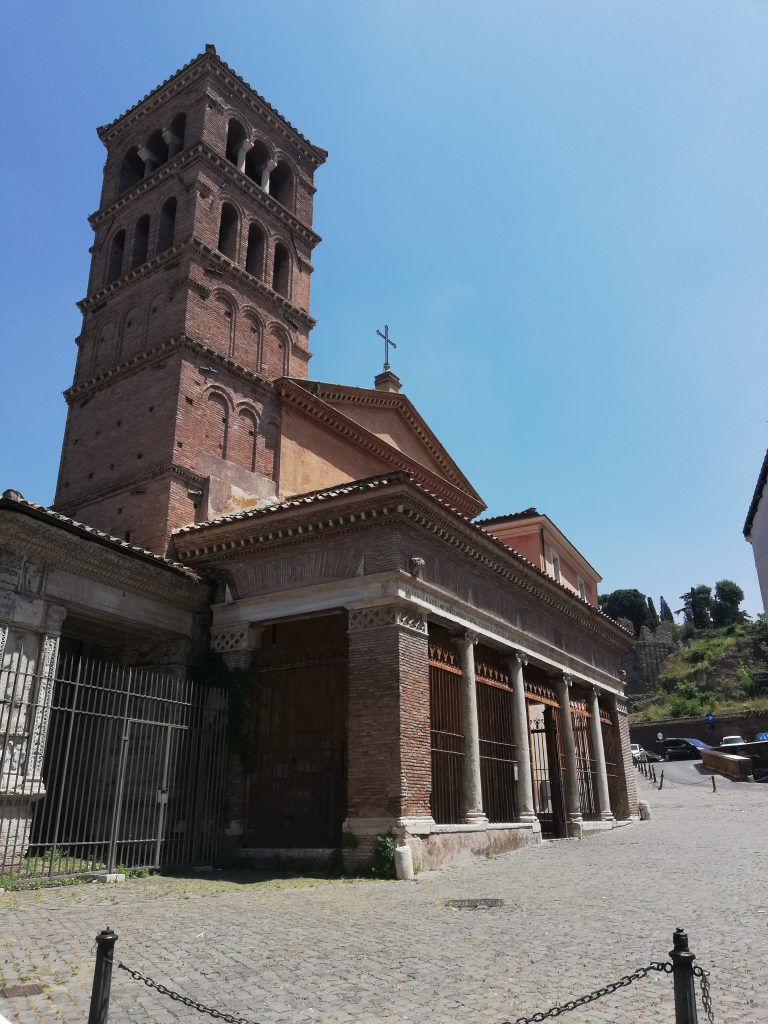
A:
x,y
387,615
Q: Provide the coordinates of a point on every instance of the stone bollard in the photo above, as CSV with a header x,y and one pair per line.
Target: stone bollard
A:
x,y
645,810
404,862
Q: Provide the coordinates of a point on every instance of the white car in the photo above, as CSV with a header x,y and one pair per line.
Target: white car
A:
x,y
729,741
638,753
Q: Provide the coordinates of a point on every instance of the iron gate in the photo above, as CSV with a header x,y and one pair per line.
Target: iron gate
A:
x,y
446,735
132,773
296,788
585,763
547,771
498,752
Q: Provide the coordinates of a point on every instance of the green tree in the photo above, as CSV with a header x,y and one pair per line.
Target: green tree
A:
x,y
725,607
697,606
626,604
665,611
653,618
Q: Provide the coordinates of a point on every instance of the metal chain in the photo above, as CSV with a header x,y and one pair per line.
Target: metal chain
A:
x,y
177,997
706,1001
555,1011
597,994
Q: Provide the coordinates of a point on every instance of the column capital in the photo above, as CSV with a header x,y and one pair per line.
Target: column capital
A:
x,y
375,616
519,658
468,638
244,636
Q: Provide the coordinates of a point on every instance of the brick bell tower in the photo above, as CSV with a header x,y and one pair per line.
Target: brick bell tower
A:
x,y
198,299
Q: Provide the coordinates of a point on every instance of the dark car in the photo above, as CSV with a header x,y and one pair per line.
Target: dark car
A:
x,y
681,749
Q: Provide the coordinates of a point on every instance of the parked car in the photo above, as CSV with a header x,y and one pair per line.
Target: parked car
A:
x,y
729,741
637,752
678,748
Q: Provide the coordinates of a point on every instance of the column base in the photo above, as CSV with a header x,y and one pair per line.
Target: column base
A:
x,y
607,816
475,818
528,818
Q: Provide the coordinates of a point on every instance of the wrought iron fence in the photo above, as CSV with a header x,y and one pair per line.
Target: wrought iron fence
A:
x,y
109,767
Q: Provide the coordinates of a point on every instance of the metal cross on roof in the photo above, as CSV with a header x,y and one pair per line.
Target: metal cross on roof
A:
x,y
387,342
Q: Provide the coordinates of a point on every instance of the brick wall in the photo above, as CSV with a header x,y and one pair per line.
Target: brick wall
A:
x,y
626,762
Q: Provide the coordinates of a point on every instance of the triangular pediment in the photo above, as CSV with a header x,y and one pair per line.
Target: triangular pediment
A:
x,y
388,427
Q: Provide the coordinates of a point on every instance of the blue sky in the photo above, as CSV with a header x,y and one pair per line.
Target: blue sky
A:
x,y
561,210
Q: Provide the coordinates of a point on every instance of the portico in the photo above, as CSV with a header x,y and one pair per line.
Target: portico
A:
x,y
448,667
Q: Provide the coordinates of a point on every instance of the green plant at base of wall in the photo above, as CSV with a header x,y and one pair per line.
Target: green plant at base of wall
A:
x,y
383,864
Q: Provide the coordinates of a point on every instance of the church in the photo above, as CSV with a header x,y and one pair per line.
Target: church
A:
x,y
406,667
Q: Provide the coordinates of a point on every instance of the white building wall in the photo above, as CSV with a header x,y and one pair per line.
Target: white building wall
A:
x,y
759,540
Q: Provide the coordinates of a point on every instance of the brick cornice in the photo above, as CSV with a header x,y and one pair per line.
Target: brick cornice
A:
x,y
187,158
339,425
165,260
359,507
182,473
221,264
178,343
215,262
196,69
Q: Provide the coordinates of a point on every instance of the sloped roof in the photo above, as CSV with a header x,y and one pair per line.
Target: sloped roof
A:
x,y
209,55
311,499
759,487
532,513
15,502
325,404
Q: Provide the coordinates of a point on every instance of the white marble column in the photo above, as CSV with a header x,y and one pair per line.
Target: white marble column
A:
x,y
269,166
601,775
245,147
524,783
568,745
471,789
149,160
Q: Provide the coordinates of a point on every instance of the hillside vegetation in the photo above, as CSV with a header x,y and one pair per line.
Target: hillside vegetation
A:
x,y
716,670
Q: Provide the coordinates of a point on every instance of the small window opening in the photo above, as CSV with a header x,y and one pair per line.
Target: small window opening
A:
x,y
556,565
167,225
254,259
131,170
140,241
257,163
228,231
281,184
281,270
156,149
235,140
115,265
174,135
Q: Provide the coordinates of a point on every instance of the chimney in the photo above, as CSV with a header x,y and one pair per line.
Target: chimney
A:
x,y
387,381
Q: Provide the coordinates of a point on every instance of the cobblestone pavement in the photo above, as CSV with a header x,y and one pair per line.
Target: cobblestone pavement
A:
x,y
576,915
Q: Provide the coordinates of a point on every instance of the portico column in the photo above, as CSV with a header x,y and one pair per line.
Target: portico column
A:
x,y
572,800
603,796
523,784
471,788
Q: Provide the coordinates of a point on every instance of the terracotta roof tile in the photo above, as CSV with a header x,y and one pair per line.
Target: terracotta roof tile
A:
x,y
15,501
